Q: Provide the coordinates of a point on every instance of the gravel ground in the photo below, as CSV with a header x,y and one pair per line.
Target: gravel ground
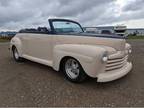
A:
x,y
31,84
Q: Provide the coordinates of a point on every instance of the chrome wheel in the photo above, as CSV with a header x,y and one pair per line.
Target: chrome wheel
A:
x,y
16,54
72,68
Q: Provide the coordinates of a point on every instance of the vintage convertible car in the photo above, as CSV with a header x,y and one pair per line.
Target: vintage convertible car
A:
x,y
67,48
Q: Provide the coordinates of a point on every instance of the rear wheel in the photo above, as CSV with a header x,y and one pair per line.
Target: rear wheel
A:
x,y
73,70
16,55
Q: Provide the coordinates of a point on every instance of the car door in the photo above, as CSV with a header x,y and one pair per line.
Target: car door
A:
x,y
40,46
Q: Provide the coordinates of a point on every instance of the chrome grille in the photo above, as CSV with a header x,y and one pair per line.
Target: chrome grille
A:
x,y
116,63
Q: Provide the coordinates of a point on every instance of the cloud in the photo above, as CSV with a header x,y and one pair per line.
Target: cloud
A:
x,y
134,5
17,14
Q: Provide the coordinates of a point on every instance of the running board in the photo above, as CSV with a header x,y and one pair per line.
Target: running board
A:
x,y
41,61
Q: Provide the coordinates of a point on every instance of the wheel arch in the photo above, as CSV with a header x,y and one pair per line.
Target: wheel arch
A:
x,y
65,58
86,62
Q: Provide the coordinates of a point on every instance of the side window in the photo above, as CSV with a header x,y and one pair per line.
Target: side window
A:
x,y
63,27
66,27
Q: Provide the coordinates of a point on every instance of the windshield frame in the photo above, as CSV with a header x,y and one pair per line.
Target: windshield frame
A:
x,y
53,31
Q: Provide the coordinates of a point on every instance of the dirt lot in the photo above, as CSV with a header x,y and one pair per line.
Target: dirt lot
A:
x,y
32,84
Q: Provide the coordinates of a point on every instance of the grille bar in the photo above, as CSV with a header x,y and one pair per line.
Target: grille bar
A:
x,y
117,60
115,67
116,63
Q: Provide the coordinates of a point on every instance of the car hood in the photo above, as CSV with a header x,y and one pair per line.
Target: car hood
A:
x,y
101,35
110,50
95,35
113,41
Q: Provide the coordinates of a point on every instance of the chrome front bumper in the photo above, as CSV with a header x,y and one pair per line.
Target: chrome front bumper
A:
x,y
115,74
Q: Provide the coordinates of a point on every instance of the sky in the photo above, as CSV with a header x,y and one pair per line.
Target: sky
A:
x,y
18,14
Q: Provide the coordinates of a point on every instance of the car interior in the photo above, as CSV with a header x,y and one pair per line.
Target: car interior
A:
x,y
39,30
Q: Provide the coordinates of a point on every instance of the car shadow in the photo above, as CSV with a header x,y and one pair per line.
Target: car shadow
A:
x,y
89,82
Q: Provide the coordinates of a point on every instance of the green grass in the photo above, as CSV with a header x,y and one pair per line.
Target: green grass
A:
x,y
4,39
135,37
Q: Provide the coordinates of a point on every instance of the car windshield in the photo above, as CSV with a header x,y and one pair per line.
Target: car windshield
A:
x,y
66,27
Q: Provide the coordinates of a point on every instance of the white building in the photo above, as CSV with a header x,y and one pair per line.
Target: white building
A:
x,y
119,30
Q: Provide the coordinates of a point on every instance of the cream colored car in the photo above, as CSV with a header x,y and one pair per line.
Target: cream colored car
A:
x,y
67,48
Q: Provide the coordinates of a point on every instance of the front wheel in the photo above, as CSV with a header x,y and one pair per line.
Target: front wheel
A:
x,y
16,56
73,70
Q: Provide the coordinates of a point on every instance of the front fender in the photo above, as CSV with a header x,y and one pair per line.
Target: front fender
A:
x,y
89,56
15,41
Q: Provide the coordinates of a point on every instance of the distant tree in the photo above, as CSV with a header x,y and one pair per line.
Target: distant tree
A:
x,y
137,32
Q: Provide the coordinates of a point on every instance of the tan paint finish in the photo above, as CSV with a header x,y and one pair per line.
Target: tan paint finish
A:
x,y
118,44
51,49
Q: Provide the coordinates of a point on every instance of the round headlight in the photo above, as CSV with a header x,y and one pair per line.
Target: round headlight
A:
x,y
130,51
105,59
